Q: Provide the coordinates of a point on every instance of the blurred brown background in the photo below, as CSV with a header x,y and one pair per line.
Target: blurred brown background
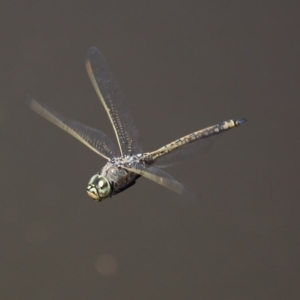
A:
x,y
183,65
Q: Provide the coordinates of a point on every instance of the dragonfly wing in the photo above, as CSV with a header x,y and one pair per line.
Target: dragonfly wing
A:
x,y
92,138
111,96
161,177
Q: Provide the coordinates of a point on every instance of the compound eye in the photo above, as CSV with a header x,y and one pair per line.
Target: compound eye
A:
x,y
104,188
99,188
94,180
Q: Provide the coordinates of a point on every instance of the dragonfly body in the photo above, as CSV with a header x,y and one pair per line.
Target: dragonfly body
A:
x,y
127,162
121,179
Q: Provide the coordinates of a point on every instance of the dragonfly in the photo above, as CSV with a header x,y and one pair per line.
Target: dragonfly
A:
x,y
126,161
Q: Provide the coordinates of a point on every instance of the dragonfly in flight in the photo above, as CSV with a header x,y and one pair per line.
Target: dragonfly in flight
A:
x,y
125,162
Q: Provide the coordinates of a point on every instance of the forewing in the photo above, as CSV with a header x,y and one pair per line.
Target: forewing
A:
x,y
161,177
111,96
92,138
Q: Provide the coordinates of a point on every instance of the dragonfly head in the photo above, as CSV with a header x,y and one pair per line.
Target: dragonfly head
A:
x,y
99,188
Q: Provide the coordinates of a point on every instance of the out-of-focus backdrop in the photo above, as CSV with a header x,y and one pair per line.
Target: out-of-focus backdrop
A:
x,y
183,65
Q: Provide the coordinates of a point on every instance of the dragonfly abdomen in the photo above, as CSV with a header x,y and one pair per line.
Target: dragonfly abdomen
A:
x,y
195,136
216,129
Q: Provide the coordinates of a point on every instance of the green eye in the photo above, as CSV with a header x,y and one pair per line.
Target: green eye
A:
x,y
99,188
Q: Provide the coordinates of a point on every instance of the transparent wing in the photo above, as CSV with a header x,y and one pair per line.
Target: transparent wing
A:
x,y
92,138
111,97
186,146
161,177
